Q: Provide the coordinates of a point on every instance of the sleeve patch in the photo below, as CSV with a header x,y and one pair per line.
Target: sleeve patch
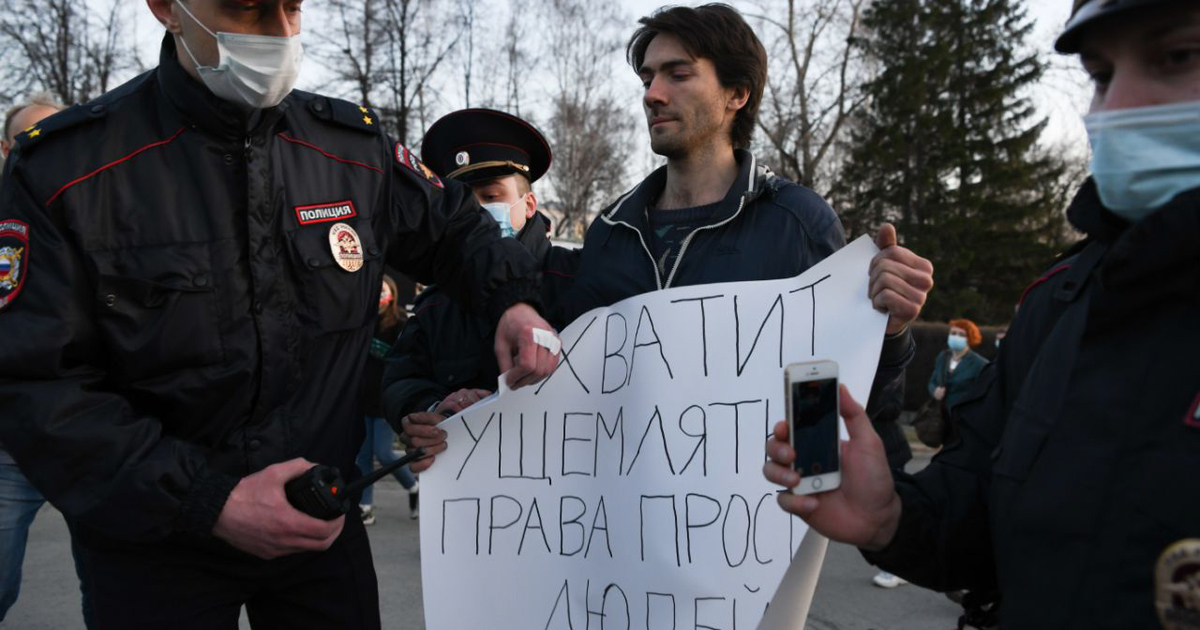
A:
x,y
410,161
14,259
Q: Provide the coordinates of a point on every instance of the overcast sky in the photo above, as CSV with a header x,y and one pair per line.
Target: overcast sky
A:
x,y
1062,96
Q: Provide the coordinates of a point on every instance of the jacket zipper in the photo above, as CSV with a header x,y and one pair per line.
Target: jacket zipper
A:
x,y
688,239
653,265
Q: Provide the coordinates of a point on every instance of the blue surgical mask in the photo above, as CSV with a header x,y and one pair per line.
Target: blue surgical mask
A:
x,y
502,213
956,343
1143,157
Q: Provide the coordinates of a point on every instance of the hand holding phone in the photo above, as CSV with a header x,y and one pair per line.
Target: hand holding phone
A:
x,y
811,395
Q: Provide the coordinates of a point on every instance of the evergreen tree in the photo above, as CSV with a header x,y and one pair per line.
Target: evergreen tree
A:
x,y
947,151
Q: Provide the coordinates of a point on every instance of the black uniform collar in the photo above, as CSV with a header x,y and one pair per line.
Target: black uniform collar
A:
x,y
200,107
1089,215
1151,255
535,235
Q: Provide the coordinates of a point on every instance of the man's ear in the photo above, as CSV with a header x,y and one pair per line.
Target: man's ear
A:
x,y
5,148
162,12
531,205
738,97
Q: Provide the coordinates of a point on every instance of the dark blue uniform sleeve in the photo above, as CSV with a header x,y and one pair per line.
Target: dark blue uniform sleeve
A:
x,y
944,540
408,377
82,445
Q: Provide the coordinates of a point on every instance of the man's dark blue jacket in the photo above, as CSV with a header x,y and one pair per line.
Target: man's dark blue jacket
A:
x,y
766,228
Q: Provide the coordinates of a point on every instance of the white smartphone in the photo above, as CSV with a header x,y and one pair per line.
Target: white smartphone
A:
x,y
811,390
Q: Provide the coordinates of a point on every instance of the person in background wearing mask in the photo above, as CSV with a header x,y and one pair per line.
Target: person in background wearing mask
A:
x,y
442,362
956,369
1073,487
380,439
202,251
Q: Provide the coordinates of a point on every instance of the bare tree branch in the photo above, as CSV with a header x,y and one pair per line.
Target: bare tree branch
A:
x,y
65,47
814,87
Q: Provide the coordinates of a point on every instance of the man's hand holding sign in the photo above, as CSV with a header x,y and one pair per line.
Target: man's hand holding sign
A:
x,y
900,280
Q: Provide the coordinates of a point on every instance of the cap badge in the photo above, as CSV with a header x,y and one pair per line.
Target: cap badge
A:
x,y
1177,586
346,247
462,158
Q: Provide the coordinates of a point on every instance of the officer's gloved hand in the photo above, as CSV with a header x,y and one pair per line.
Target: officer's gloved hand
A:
x,y
865,510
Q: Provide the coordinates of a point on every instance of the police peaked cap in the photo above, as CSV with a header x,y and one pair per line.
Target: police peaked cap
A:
x,y
1086,12
474,145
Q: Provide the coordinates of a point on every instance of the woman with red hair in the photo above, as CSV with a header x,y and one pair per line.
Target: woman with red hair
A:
x,y
956,368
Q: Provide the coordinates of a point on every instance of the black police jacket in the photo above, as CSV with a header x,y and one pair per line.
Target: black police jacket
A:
x,y
767,228
444,348
1078,463
183,321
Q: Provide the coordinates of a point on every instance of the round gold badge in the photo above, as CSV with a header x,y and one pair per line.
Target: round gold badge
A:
x,y
1177,586
346,247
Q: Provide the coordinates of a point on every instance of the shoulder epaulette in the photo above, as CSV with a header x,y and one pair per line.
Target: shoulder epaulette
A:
x,y
345,113
70,117
1077,263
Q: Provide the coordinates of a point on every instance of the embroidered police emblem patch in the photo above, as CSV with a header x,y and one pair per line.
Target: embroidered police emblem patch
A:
x,y
410,161
14,259
346,247
1177,586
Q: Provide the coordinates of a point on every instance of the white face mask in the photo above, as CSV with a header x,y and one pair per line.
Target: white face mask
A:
x,y
1143,157
253,70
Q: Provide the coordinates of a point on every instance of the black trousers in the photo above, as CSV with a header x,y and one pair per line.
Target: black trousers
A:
x,y
183,584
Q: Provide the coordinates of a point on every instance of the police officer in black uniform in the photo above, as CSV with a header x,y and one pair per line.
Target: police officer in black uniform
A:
x,y
1073,487
442,362
189,274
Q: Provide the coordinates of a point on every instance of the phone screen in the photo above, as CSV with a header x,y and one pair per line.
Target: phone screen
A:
x,y
815,426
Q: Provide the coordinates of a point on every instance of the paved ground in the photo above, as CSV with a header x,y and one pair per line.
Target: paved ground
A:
x,y
845,598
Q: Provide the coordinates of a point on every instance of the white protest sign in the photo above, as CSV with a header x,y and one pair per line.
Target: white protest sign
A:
x,y
626,490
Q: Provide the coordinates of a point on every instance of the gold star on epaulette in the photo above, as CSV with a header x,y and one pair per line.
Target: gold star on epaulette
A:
x,y
33,133
367,120
362,109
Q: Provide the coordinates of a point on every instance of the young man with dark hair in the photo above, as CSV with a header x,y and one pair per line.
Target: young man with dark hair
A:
x,y
1072,489
718,34
713,213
